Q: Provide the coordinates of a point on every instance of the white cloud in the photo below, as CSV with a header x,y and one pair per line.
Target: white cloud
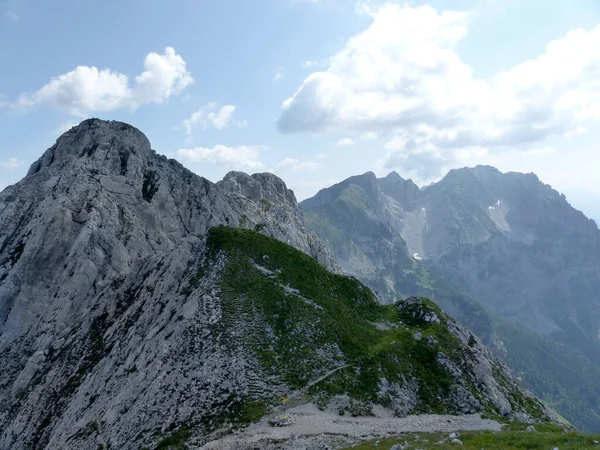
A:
x,y
11,163
12,15
345,142
402,75
165,75
279,75
64,127
297,165
244,157
212,115
87,89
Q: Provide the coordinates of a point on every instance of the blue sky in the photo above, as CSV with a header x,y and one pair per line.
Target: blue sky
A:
x,y
314,90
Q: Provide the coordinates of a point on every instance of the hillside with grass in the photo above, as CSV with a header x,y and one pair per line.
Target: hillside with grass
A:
x,y
325,335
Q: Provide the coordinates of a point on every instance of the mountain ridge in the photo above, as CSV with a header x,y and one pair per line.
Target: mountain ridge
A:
x,y
142,305
507,240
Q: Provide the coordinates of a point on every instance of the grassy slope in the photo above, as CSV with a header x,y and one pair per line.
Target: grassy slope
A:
x,y
329,323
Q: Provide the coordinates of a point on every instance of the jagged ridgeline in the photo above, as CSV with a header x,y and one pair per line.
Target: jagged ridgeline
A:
x,y
504,254
144,306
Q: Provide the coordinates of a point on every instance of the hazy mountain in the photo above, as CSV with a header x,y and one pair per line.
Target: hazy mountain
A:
x,y
131,317
507,240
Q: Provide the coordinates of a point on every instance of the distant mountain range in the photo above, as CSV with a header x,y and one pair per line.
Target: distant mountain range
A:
x,y
503,252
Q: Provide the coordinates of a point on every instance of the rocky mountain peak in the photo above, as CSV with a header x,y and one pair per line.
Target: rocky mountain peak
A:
x,y
367,182
406,192
117,145
393,175
258,186
483,169
366,178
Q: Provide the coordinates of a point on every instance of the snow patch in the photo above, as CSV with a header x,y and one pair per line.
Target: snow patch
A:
x,y
497,212
417,257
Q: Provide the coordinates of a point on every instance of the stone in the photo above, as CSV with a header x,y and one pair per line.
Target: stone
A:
x,y
281,420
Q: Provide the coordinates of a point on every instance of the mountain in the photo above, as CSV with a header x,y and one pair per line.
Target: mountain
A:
x,y
142,306
497,251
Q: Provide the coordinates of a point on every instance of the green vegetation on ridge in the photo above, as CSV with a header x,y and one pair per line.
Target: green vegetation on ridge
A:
x,y
307,323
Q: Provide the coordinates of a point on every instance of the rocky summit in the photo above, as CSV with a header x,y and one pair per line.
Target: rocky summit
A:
x,y
103,227
142,306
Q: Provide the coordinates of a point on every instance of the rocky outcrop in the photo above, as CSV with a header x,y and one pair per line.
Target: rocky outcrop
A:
x,y
264,195
95,245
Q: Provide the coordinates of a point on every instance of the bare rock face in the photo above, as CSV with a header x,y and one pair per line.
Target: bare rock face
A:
x,y
94,244
266,195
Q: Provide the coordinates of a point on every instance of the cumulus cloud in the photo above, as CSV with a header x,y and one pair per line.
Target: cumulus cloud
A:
x,y
345,142
212,116
244,157
402,77
88,89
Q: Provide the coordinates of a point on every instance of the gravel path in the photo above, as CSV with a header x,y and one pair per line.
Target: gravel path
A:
x,y
313,429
